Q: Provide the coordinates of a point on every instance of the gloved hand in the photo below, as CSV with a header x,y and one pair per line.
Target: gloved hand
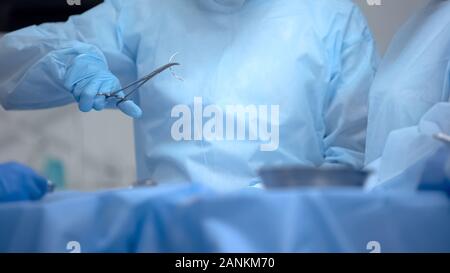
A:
x,y
20,183
87,76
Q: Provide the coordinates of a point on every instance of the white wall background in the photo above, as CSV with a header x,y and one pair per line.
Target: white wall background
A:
x,y
97,149
387,18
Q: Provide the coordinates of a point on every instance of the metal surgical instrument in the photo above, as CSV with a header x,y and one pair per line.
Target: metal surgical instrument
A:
x,y
443,137
134,86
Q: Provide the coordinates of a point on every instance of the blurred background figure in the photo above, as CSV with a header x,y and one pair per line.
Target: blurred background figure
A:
x,y
410,98
50,140
413,77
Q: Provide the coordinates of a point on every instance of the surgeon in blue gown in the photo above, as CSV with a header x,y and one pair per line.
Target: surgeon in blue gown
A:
x,y
299,71
410,99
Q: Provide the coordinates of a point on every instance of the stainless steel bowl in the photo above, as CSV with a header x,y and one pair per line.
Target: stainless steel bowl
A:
x,y
287,177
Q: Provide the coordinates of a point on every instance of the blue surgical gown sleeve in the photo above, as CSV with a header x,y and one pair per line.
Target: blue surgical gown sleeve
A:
x,y
397,171
33,60
354,60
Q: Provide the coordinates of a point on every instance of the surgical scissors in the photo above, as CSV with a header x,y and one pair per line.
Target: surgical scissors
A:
x,y
138,84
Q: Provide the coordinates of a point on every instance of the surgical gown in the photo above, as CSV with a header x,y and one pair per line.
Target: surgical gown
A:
x,y
298,71
413,77
410,102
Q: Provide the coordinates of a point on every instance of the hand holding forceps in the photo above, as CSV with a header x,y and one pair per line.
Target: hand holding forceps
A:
x,y
134,86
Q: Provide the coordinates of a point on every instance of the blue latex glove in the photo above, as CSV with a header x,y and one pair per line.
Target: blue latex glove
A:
x,y
19,183
87,76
